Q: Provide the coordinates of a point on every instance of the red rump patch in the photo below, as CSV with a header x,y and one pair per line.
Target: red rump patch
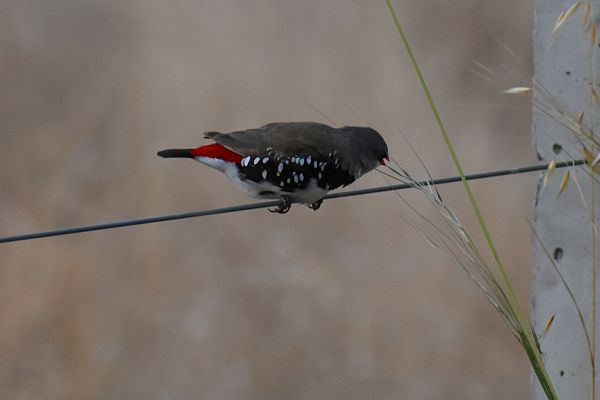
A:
x,y
215,150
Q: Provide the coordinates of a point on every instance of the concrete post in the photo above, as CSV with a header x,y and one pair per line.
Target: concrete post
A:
x,y
562,64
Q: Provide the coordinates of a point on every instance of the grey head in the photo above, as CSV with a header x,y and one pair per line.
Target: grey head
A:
x,y
363,147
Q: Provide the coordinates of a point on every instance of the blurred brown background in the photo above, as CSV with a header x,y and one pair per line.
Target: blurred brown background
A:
x,y
348,302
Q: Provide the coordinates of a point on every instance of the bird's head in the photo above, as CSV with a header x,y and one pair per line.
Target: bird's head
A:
x,y
369,147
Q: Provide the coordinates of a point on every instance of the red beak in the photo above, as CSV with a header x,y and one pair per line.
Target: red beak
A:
x,y
383,160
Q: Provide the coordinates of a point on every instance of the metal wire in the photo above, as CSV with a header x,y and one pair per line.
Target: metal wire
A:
x,y
273,203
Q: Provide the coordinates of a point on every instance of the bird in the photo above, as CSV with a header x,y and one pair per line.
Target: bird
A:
x,y
294,162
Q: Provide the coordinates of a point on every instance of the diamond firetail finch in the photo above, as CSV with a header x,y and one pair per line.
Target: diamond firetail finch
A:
x,y
291,161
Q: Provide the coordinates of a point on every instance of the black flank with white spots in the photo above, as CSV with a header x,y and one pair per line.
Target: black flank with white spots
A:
x,y
295,173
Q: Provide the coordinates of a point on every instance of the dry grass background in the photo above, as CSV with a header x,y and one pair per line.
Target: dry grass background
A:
x,y
345,303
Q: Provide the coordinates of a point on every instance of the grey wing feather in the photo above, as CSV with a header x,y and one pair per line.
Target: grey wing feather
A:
x,y
279,138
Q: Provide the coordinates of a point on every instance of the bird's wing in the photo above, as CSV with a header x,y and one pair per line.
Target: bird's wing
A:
x,y
280,139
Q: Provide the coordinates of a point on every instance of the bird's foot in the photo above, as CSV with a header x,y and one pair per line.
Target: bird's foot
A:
x,y
316,205
284,205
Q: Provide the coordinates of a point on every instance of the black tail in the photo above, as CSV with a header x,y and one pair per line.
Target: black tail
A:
x,y
179,153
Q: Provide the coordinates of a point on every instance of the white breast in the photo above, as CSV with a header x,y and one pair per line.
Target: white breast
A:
x,y
311,193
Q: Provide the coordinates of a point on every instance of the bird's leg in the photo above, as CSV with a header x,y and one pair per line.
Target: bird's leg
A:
x,y
316,205
284,205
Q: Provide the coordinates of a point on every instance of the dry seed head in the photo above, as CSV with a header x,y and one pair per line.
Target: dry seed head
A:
x,y
559,21
548,324
594,94
549,172
591,160
517,90
595,160
587,7
548,105
562,17
564,183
